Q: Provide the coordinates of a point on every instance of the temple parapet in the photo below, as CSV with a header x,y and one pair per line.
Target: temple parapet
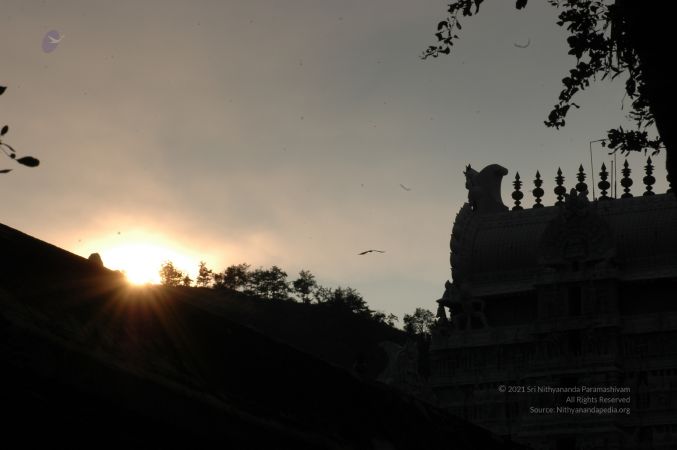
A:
x,y
606,188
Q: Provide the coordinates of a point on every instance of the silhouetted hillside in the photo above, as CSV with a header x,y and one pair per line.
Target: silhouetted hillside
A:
x,y
325,331
90,361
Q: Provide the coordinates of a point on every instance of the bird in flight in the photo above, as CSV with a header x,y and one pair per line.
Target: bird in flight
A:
x,y
522,45
404,187
370,251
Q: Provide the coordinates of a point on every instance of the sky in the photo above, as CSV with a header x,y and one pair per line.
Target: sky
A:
x,y
280,133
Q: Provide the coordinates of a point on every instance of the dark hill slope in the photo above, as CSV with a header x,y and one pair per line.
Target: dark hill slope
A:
x,y
330,333
90,361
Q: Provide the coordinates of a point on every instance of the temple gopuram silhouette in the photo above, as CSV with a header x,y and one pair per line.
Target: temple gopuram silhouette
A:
x,y
559,327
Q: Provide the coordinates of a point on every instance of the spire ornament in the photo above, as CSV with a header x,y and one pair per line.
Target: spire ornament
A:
x,y
538,192
517,195
604,185
581,186
626,182
559,190
649,179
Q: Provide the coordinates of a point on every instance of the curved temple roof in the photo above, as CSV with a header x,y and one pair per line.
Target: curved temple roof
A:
x,y
509,251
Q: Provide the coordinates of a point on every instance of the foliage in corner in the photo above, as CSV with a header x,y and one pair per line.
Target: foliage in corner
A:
x,y
9,151
600,42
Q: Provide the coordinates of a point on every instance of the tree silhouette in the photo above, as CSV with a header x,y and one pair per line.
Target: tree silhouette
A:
x,y
420,322
271,283
349,299
204,275
234,277
304,285
170,275
9,151
381,317
322,294
608,38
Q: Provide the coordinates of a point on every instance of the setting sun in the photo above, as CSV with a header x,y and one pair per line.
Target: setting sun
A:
x,y
141,262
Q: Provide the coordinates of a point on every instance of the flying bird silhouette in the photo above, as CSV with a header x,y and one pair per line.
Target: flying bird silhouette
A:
x,y
404,187
370,251
522,45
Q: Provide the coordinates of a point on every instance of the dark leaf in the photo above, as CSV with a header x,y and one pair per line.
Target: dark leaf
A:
x,y
521,4
441,25
5,170
9,147
477,5
2,89
28,161
4,131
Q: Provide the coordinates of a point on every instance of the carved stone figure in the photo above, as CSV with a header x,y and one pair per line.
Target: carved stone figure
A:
x,y
484,188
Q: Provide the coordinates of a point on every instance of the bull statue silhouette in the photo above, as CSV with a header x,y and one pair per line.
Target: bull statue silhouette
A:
x,y
484,188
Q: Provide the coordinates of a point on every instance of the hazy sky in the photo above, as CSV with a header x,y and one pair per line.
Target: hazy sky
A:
x,y
279,132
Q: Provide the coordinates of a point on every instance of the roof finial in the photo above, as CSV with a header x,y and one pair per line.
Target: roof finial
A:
x,y
604,184
560,190
626,182
538,192
649,179
517,195
581,187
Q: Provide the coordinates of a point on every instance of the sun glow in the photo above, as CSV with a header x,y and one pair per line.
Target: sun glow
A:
x,y
141,262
